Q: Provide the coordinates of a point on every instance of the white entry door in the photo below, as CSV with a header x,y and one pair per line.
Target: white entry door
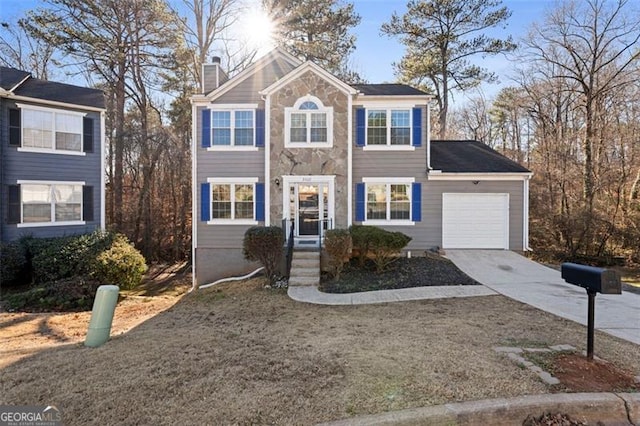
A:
x,y
475,221
310,205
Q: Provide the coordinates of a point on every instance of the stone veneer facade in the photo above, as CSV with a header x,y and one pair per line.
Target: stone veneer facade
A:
x,y
309,161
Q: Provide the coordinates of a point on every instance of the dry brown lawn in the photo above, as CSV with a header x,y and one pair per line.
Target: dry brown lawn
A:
x,y
240,354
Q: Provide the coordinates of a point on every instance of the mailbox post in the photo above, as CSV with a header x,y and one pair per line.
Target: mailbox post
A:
x,y
593,280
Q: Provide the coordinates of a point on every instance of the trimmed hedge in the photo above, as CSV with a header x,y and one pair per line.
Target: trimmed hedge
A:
x,y
264,244
121,265
381,245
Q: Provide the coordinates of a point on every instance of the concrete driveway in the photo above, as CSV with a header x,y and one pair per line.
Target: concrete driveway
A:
x,y
529,282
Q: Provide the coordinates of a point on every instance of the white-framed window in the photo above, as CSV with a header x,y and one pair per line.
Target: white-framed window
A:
x,y
388,201
51,130
233,128
50,203
233,200
388,127
308,124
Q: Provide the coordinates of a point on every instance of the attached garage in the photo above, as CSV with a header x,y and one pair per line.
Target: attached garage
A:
x,y
475,220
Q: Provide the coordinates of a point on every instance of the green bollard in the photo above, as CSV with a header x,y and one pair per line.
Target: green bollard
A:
x,y
104,307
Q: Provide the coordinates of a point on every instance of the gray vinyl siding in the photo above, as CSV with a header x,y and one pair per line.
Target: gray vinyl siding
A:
x,y
213,264
18,165
248,90
432,206
399,164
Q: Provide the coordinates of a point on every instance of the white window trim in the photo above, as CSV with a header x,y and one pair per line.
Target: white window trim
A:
x,y
233,181
388,146
52,223
231,109
53,149
295,109
388,182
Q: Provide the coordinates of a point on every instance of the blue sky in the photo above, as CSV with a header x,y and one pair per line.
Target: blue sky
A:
x,y
376,53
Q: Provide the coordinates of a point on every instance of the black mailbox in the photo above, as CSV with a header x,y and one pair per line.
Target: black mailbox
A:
x,y
593,279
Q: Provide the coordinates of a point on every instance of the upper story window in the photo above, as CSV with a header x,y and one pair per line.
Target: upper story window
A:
x,y
308,124
389,127
40,129
232,128
382,127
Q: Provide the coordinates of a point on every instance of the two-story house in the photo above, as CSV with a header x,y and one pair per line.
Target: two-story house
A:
x,y
287,143
51,157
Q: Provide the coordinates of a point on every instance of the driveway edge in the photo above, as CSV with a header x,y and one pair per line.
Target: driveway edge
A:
x,y
611,408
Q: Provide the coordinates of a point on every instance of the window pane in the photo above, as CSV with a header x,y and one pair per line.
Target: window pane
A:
x,y
244,202
68,202
37,129
244,119
319,120
221,119
319,135
376,202
400,203
308,105
68,123
243,137
400,127
377,127
221,202
36,203
400,136
68,141
221,136
298,129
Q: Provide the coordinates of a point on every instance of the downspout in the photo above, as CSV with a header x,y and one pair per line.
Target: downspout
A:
x,y
194,194
267,161
525,225
428,136
2,196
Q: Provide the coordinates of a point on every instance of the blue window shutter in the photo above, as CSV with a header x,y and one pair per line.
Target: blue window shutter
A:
x,y
260,202
417,127
361,125
205,202
360,202
416,202
206,128
260,127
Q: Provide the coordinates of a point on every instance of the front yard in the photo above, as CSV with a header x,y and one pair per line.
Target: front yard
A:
x,y
240,354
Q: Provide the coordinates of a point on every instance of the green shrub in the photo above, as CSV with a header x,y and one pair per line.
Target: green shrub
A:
x,y
385,247
264,244
54,259
120,265
338,244
13,263
381,245
361,238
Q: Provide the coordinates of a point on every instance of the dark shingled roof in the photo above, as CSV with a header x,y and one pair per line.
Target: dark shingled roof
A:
x,y
59,92
388,89
9,77
470,157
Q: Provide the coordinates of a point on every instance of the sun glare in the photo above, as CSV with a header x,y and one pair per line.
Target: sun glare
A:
x,y
258,30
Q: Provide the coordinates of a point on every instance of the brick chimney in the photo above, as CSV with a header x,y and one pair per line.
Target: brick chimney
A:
x,y
213,75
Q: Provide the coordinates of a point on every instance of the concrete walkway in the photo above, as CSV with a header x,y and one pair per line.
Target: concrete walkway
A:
x,y
311,294
519,278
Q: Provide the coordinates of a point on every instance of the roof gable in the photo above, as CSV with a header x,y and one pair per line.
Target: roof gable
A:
x,y
273,55
450,156
309,66
11,77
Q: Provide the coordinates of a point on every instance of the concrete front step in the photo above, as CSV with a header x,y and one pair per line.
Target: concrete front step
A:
x,y
306,254
303,281
305,263
305,272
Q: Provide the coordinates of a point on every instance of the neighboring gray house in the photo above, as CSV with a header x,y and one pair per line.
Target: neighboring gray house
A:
x,y
51,157
285,142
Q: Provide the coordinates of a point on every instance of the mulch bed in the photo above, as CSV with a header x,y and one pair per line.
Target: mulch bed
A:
x,y
431,270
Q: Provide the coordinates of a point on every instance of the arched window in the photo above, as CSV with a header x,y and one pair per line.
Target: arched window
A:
x,y
308,124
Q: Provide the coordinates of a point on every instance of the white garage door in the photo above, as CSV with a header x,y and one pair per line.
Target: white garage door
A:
x,y
475,221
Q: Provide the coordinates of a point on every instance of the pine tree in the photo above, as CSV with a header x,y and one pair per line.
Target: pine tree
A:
x,y
441,36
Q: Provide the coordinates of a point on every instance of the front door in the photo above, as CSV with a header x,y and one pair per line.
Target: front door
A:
x,y
310,207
